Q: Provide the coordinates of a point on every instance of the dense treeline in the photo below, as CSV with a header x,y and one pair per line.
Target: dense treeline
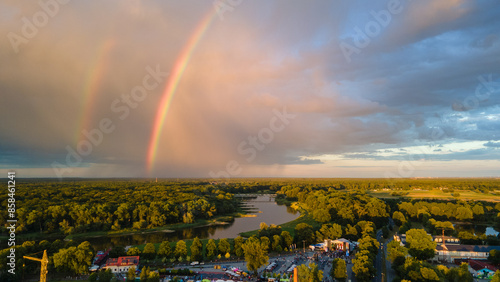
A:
x,y
340,207
447,184
466,220
460,210
333,208
364,263
81,206
410,261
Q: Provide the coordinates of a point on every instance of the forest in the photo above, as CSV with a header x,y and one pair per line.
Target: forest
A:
x,y
83,206
329,208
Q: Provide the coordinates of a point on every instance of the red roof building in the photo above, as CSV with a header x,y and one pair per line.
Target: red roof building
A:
x,y
122,264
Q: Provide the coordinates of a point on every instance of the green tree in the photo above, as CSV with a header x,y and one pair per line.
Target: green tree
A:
x,y
351,232
339,270
238,242
165,250
321,215
463,213
211,249
363,267
367,227
83,257
276,242
117,251
255,253
496,276
395,250
428,274
134,251
420,245
329,231
287,239
309,273
224,246
196,249
304,232
478,211
153,276
265,241
131,274
75,259
144,273
180,249
149,251
460,273
105,276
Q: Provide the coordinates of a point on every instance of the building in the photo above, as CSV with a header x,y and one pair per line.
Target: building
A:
x,y
481,269
338,244
449,253
448,240
122,264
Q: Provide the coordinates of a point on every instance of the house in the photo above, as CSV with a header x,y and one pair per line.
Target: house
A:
x,y
122,264
448,240
449,253
481,269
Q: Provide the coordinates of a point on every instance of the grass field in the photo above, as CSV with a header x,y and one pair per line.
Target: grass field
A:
x,y
438,194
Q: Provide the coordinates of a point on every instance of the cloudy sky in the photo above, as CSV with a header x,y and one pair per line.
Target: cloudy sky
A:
x,y
250,88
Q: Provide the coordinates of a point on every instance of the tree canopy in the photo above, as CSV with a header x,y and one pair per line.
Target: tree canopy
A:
x,y
255,253
420,244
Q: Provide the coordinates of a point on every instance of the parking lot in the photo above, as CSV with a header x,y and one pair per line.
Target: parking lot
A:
x,y
282,265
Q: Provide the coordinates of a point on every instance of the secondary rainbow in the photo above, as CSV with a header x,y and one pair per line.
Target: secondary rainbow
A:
x,y
92,84
172,84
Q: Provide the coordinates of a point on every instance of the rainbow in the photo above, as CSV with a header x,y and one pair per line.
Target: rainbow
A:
x,y
92,83
172,84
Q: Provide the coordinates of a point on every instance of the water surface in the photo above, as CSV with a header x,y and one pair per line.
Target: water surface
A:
x,y
263,207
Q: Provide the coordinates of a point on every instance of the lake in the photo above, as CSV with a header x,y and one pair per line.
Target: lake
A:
x,y
263,207
477,229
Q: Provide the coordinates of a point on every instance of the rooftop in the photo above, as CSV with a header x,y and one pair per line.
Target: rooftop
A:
x,y
478,265
123,261
468,248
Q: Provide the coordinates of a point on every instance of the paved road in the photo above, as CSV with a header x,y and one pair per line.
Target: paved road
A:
x,y
391,274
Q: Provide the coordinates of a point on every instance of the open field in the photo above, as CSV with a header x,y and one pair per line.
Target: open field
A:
x,y
437,194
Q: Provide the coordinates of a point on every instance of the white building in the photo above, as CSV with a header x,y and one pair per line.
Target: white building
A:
x,y
122,264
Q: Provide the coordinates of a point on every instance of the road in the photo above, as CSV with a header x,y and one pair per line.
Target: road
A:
x,y
391,274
